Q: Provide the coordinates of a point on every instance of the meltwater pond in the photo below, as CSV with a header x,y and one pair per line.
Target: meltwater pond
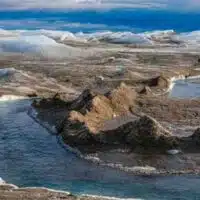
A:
x,y
30,156
186,88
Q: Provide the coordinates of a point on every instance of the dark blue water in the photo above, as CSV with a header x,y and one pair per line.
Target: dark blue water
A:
x,y
30,156
139,20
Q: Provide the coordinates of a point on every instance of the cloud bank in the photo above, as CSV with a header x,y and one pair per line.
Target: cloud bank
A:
x,y
64,4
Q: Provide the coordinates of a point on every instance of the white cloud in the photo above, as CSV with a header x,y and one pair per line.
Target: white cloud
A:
x,y
62,4
27,4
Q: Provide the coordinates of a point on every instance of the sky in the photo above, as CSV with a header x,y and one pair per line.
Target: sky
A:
x,y
62,4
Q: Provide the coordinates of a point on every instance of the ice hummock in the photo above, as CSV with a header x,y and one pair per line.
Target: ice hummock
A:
x,y
38,45
6,72
2,181
51,43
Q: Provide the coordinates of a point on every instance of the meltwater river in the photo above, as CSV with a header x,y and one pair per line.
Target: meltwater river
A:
x,y
30,156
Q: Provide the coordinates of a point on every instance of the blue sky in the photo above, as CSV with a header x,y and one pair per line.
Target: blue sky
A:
x,y
61,4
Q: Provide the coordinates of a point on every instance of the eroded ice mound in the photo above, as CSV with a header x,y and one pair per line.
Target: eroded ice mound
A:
x,y
117,37
2,181
39,45
6,72
50,43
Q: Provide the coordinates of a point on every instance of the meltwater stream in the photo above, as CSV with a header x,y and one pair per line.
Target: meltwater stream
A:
x,y
186,88
30,156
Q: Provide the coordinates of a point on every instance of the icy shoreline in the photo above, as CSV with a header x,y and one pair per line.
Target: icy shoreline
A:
x,y
14,192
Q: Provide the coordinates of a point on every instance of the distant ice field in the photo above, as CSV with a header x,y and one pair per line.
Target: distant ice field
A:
x,y
50,43
43,32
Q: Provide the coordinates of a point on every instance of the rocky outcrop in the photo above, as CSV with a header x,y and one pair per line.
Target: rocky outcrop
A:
x,y
112,119
95,110
144,132
76,133
86,122
82,103
144,90
148,133
107,119
196,137
158,81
